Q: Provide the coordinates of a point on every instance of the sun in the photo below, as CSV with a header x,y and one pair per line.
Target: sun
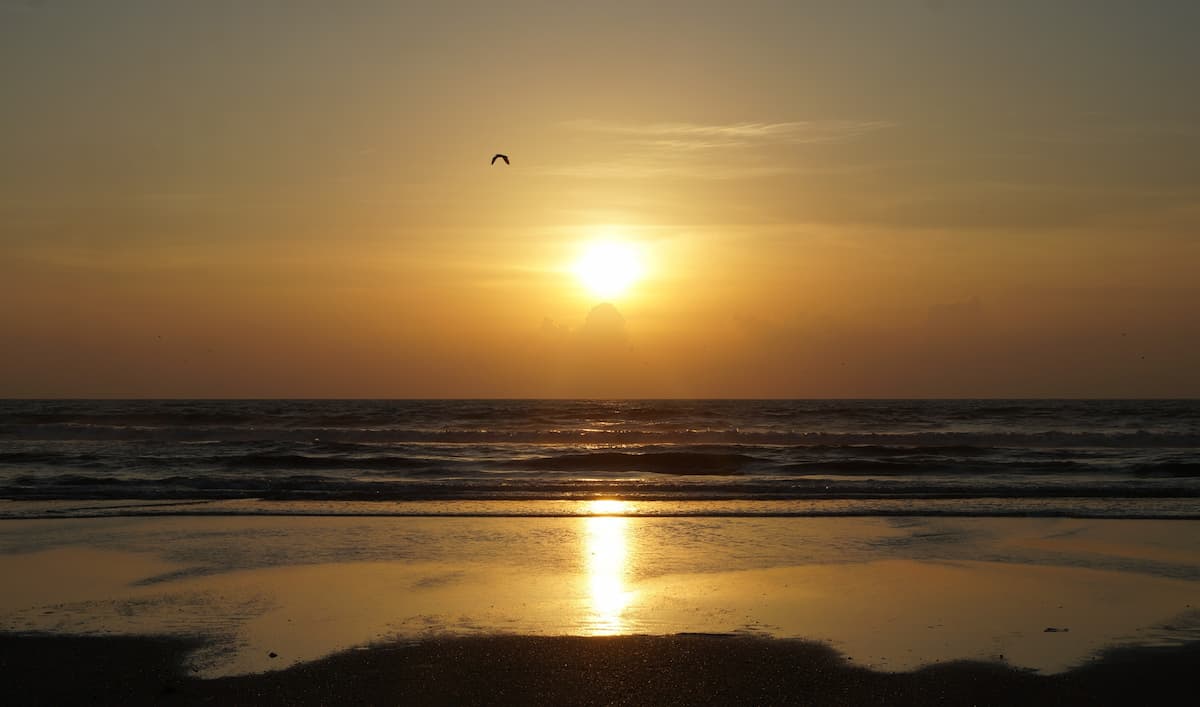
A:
x,y
607,269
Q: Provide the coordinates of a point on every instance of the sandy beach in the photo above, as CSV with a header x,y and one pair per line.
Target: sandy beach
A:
x,y
604,609
627,670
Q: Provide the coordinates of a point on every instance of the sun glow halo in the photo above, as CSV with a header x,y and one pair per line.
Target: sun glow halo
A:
x,y
608,268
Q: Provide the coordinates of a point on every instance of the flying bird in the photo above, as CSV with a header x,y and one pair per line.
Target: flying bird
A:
x,y
499,156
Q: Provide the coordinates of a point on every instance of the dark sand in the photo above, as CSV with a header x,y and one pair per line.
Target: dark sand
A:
x,y
628,670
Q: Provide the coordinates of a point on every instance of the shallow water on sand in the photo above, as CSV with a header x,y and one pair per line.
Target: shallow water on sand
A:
x,y
892,593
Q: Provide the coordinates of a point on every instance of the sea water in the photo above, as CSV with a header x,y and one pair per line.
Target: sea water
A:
x,y
1080,458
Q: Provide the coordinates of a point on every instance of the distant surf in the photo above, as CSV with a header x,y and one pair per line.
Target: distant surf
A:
x,y
1115,458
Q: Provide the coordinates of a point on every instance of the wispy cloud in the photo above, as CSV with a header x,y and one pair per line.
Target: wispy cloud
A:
x,y
641,168
724,151
792,131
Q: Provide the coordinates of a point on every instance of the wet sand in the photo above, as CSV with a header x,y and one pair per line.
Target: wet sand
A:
x,y
605,609
625,670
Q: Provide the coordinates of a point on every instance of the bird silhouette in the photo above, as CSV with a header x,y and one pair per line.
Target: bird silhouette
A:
x,y
499,156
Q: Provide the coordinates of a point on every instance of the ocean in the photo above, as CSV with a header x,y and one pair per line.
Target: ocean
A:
x,y
1073,458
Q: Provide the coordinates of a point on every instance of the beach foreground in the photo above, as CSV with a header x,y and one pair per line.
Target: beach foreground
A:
x,y
625,670
603,609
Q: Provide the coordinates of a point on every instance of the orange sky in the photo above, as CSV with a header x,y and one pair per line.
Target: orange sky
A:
x,y
891,199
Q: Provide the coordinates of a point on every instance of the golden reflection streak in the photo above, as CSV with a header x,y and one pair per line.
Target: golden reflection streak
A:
x,y
607,549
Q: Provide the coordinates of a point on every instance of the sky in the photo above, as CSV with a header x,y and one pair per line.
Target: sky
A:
x,y
925,198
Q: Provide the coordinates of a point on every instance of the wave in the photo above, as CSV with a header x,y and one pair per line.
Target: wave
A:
x,y
878,450
681,463
872,442
320,486
51,458
1169,468
920,467
350,463
537,413
571,457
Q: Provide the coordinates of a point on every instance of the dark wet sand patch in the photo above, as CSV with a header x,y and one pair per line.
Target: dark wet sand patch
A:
x,y
521,670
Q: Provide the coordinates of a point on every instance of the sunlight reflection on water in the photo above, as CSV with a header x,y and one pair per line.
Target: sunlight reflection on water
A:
x,y
891,593
607,552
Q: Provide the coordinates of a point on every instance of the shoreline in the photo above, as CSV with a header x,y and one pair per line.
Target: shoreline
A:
x,y
1097,508
678,669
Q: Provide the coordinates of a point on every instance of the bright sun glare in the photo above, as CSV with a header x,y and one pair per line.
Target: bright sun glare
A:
x,y
607,507
608,268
